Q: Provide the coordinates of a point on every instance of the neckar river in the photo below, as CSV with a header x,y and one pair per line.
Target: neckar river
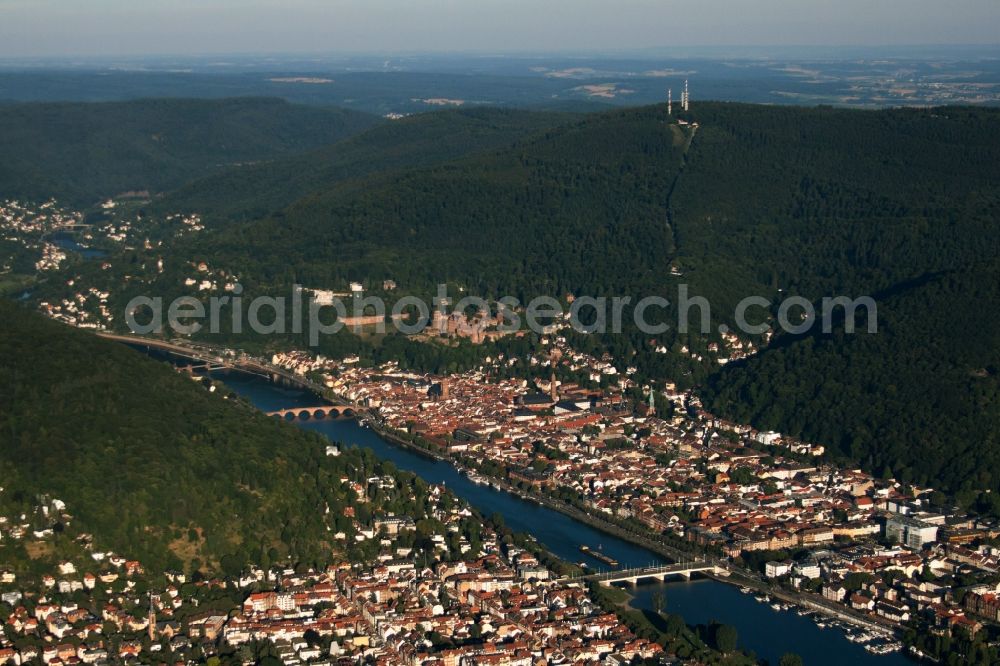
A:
x,y
768,632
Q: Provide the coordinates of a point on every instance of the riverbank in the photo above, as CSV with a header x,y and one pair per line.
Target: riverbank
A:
x,y
700,601
735,576
561,529
562,507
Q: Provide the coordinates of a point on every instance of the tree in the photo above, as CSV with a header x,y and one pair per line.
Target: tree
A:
x,y
726,638
312,637
790,659
742,476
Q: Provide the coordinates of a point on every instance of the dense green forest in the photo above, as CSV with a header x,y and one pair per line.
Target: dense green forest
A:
x,y
901,205
772,201
420,140
919,401
579,207
83,152
828,201
811,201
159,469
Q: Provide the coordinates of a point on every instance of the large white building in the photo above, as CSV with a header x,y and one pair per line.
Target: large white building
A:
x,y
910,531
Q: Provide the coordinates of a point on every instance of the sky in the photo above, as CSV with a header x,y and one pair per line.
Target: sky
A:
x,y
35,28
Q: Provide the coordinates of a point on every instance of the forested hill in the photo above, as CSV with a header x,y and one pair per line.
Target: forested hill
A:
x,y
810,201
829,201
81,152
578,207
919,401
253,191
901,204
158,469
771,200
758,200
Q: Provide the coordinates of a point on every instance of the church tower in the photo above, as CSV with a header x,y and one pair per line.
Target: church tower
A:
x,y
151,629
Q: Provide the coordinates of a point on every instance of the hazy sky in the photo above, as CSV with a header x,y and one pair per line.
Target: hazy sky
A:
x,y
132,27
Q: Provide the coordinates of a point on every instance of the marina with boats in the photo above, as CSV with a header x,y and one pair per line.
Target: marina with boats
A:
x,y
874,640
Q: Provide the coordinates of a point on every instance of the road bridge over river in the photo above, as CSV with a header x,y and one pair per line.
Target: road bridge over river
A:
x,y
661,572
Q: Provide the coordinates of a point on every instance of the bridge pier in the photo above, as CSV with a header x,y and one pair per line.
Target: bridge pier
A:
x,y
318,413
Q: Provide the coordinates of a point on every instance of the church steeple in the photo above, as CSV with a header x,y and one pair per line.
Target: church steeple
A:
x,y
151,629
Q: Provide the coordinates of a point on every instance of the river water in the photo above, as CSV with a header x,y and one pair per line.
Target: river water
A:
x,y
767,632
68,241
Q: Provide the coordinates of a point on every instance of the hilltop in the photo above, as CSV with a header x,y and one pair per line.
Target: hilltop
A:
x,y
81,152
566,208
253,191
901,205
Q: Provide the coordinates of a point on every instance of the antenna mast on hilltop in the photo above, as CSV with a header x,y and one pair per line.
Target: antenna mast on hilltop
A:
x,y
685,97
670,101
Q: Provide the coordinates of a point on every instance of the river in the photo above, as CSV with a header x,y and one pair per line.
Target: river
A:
x,y
68,241
767,632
